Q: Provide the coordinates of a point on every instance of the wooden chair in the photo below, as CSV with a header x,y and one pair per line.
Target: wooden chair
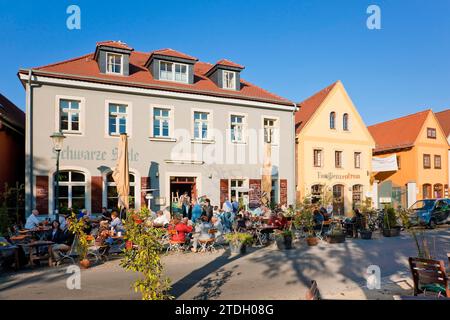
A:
x,y
429,276
313,292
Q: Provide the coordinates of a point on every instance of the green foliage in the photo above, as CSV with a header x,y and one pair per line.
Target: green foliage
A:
x,y
236,238
11,206
390,218
5,220
144,256
76,226
304,218
418,236
284,233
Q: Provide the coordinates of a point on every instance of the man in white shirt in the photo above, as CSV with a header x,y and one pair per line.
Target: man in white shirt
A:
x,y
32,220
160,220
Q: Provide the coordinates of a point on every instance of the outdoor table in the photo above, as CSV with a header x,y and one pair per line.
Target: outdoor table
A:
x,y
20,237
34,246
40,232
4,250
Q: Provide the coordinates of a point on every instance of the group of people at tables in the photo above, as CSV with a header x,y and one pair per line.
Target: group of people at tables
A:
x,y
104,230
322,215
203,222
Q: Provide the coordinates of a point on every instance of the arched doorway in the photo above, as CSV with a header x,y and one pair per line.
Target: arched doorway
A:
x,y
357,195
438,190
338,199
316,193
426,191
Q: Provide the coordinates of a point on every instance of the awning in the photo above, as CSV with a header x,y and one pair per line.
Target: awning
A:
x,y
384,164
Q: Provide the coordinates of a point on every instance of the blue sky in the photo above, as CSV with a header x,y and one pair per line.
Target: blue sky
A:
x,y
292,48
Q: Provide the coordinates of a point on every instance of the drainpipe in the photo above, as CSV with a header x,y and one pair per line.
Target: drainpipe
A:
x,y
293,154
29,148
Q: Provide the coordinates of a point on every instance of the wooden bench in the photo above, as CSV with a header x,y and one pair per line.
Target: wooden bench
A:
x,y
429,276
313,292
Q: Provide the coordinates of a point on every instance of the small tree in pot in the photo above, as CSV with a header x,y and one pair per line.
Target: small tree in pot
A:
x,y
390,225
337,235
305,220
366,210
76,226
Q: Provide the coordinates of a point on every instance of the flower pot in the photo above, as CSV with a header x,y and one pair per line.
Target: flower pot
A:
x,y
85,264
238,248
366,234
336,238
395,232
284,243
312,241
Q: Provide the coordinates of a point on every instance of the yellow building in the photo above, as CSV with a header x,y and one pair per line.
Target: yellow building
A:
x,y
421,149
334,149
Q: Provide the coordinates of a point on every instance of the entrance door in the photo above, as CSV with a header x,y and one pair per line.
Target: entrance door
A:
x,y
338,199
178,186
357,195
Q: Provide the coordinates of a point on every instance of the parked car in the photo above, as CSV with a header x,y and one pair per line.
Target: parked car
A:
x,y
430,212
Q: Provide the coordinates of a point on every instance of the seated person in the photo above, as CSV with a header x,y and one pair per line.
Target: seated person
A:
x,y
318,219
182,229
105,214
160,220
32,221
116,223
241,222
217,224
59,238
201,232
103,234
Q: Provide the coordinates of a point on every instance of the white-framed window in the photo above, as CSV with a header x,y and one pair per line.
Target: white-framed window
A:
x,y
117,118
357,160
172,71
229,80
114,63
237,126
317,157
72,189
235,184
201,125
111,191
269,130
69,115
161,122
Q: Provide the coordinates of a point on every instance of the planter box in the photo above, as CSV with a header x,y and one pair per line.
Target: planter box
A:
x,y
338,238
238,248
284,243
391,232
366,235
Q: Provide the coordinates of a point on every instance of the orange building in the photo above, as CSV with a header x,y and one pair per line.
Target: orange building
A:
x,y
421,149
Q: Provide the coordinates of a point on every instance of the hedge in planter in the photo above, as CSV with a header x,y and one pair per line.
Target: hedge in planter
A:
x,y
284,239
390,226
238,242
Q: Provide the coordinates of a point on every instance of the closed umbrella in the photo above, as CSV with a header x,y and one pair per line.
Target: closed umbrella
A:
x,y
121,173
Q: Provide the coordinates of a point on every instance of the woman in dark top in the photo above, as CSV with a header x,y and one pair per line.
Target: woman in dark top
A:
x,y
57,235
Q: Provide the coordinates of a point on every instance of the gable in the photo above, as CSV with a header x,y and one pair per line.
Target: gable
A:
x,y
339,102
431,122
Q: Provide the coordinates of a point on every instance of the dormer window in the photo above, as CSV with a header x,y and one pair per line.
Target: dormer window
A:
x,y
114,63
171,71
229,80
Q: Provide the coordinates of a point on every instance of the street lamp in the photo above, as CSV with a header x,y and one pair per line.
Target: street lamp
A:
x,y
58,139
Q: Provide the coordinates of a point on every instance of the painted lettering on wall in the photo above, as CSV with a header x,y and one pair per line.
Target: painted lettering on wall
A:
x,y
69,153
333,176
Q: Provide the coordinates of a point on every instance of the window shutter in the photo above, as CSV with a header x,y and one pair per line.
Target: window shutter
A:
x,y
283,191
223,190
42,185
96,194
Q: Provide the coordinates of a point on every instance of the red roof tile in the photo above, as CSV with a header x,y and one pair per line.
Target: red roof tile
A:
x,y
85,68
444,120
173,53
308,107
114,44
398,133
228,63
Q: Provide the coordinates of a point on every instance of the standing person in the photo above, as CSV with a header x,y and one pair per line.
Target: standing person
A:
x,y
201,232
32,221
196,211
185,204
235,205
208,209
227,206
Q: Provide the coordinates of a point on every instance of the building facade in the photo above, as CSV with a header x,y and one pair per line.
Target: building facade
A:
x,y
334,150
12,144
444,120
193,127
421,149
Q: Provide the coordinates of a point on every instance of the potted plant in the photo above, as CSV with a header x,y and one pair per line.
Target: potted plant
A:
x,y
390,226
337,235
305,221
238,242
284,239
366,232
76,226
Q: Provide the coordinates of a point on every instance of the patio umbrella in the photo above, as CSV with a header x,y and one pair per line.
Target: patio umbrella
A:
x,y
121,173
267,174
